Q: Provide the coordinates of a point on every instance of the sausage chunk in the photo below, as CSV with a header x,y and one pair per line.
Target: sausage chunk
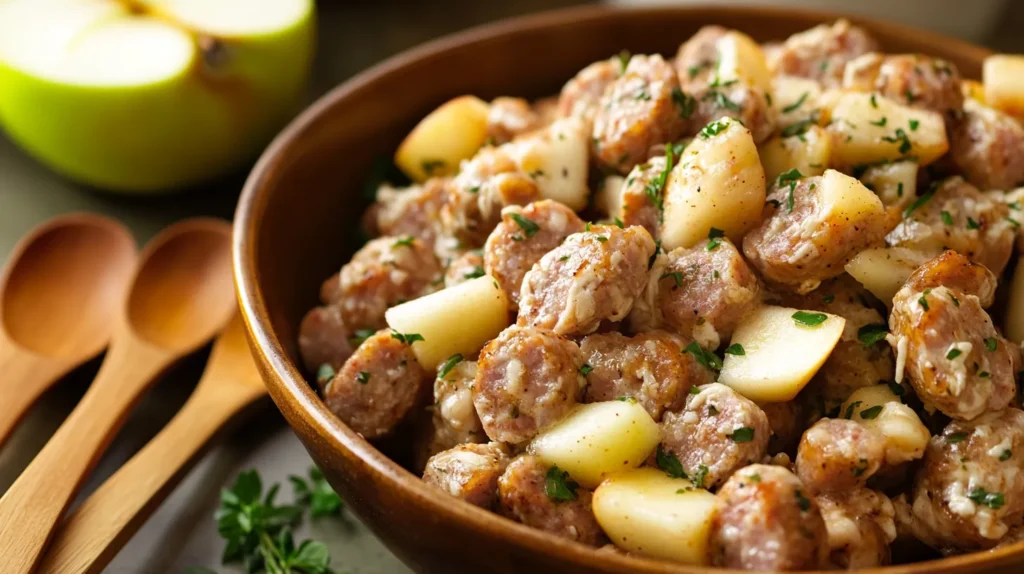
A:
x,y
509,117
453,396
717,432
698,292
469,472
469,265
836,455
988,147
852,364
910,79
524,235
592,276
961,218
414,211
526,379
523,497
800,247
764,519
948,348
378,386
969,489
581,96
636,204
821,53
637,111
324,340
651,367
330,290
484,186
861,525
435,435
385,272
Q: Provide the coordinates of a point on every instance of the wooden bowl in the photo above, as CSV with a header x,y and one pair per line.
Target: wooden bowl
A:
x,y
296,225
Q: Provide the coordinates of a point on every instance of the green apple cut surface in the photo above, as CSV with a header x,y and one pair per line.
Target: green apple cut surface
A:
x,y
150,95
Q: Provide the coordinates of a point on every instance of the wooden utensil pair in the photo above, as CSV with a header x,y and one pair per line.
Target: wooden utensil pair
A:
x,y
72,286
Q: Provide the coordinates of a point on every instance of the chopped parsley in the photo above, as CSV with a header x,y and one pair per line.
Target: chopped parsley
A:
x,y
585,369
735,349
694,390
1013,222
1006,455
527,225
655,188
676,276
714,128
558,486
872,333
624,57
706,358
325,373
431,165
993,500
668,462
871,412
700,475
972,224
789,178
624,399
403,242
687,103
946,217
874,102
953,438
809,319
991,344
618,223
448,365
850,409
713,238
407,338
901,138
956,302
880,123
802,501
953,353
795,105
913,125
363,378
476,272
798,128
862,466
722,101
923,300
742,434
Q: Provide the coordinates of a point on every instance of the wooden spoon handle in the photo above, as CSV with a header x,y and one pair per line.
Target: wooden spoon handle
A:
x,y
91,536
31,508
24,377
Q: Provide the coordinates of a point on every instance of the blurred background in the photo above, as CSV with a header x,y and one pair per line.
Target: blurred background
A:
x,y
350,36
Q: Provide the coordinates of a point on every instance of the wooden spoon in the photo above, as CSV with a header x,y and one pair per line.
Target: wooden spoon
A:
x,y
59,297
181,296
94,533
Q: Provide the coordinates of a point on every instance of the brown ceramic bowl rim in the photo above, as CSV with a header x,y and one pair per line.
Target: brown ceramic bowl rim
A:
x,y
284,377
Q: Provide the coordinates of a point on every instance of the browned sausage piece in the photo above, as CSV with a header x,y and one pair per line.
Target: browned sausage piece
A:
x,y
718,432
952,354
414,211
453,395
378,387
524,235
836,455
821,53
385,272
509,117
798,245
592,276
469,472
651,367
698,292
523,497
638,205
324,340
969,490
330,290
581,96
957,272
638,110
861,525
433,435
852,364
484,186
959,217
469,265
910,79
764,519
526,379
988,147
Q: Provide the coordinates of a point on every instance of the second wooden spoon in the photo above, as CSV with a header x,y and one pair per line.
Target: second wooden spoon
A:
x,y
180,298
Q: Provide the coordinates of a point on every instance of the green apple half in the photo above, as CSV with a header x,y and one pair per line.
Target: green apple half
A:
x,y
150,95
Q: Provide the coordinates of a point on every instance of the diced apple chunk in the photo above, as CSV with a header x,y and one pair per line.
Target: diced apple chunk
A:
x,y
781,352
1003,78
847,200
718,182
741,58
608,199
556,158
868,128
884,270
599,439
456,320
795,97
894,183
879,408
448,135
808,153
647,512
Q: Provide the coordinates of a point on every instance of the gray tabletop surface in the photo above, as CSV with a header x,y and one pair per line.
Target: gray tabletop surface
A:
x,y
352,36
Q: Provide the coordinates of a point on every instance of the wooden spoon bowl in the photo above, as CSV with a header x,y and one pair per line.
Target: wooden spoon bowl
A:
x,y
295,227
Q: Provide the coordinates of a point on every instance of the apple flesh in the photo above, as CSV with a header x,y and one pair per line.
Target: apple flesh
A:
x,y
137,96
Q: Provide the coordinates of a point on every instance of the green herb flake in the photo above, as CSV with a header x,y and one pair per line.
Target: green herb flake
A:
x,y
742,434
946,218
714,237
872,333
700,475
923,301
808,319
991,344
677,277
694,390
871,412
706,358
735,349
406,241
624,399
880,123
668,463
431,165
558,486
714,128
1006,455
448,365
993,500
619,224
1013,222
529,227
363,378
686,103
913,125
953,438
585,369
862,466
850,409
874,101
796,105
953,353
802,501
474,273
408,338
972,224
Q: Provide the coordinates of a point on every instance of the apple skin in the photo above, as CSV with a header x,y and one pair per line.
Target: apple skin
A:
x,y
208,120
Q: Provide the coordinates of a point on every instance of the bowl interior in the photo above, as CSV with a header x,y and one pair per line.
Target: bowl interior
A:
x,y
298,219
